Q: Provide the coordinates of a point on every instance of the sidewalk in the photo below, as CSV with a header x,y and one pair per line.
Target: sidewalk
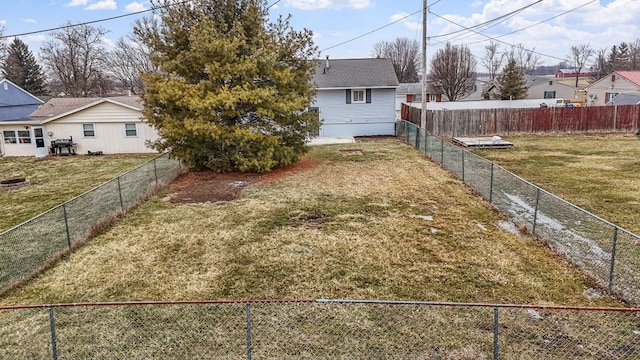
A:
x,y
331,140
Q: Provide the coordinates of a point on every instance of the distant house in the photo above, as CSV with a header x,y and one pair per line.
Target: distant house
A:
x,y
625,99
606,89
15,102
548,88
108,125
409,93
356,97
571,73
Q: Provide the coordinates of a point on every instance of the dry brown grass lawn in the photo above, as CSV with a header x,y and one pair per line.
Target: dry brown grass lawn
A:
x,y
55,180
598,172
371,220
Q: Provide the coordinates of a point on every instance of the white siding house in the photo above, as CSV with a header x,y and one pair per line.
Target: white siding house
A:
x,y
108,125
356,97
604,90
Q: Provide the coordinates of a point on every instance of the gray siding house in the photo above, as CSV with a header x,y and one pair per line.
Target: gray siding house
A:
x,y
356,97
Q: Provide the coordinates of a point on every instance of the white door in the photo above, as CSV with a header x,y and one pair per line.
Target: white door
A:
x,y
41,146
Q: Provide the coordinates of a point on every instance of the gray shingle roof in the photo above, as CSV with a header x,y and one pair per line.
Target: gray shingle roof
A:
x,y
59,106
351,73
625,99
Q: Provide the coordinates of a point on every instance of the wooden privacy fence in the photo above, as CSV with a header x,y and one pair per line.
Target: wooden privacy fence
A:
x,y
474,122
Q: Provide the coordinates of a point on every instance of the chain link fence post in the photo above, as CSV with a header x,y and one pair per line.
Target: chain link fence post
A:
x,y
491,185
495,333
66,224
248,318
155,172
54,342
120,194
442,152
462,152
535,212
613,260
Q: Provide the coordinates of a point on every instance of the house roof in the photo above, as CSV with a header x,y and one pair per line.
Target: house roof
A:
x,y
59,107
415,88
633,76
625,99
15,102
351,73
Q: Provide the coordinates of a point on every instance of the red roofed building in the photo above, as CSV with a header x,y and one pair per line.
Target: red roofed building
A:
x,y
618,82
570,73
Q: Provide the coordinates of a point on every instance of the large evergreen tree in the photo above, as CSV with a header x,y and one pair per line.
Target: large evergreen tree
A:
x,y
233,88
21,68
511,82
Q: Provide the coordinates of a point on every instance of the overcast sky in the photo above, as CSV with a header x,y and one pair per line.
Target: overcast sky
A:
x,y
350,28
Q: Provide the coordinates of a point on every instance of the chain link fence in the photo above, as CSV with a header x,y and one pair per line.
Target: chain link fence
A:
x,y
317,329
606,252
29,247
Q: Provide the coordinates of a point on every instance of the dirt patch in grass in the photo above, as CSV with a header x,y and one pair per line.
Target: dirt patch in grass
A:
x,y
211,187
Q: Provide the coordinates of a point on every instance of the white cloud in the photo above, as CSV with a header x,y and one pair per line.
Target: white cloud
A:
x,y
30,21
135,7
103,5
328,4
413,25
3,22
74,3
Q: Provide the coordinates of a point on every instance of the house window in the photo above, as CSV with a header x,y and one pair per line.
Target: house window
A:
x,y
24,137
88,130
9,137
357,96
130,130
549,94
432,97
417,97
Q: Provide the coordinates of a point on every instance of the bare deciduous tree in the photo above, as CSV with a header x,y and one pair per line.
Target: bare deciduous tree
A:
x,y
404,55
578,57
75,59
493,59
634,55
453,70
128,61
526,59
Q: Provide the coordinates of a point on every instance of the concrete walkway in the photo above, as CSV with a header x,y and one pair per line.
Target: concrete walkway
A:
x,y
331,140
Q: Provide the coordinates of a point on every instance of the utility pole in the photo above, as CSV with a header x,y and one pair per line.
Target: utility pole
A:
x,y
423,109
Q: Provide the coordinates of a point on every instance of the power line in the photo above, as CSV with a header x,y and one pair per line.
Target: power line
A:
x,y
496,38
494,20
370,32
94,21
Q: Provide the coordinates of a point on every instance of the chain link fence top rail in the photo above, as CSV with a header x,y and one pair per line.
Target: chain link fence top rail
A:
x,y
604,251
27,248
316,329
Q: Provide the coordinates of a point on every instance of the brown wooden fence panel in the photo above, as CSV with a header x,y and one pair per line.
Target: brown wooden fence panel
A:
x,y
477,122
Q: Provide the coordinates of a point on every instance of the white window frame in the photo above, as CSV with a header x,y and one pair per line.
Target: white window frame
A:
x,y
24,136
126,130
11,139
433,98
355,98
85,130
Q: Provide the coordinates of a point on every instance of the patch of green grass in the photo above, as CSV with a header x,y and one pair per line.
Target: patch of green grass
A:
x,y
598,172
55,180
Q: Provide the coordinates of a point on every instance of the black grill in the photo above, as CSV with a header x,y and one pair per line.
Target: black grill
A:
x,y
63,147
